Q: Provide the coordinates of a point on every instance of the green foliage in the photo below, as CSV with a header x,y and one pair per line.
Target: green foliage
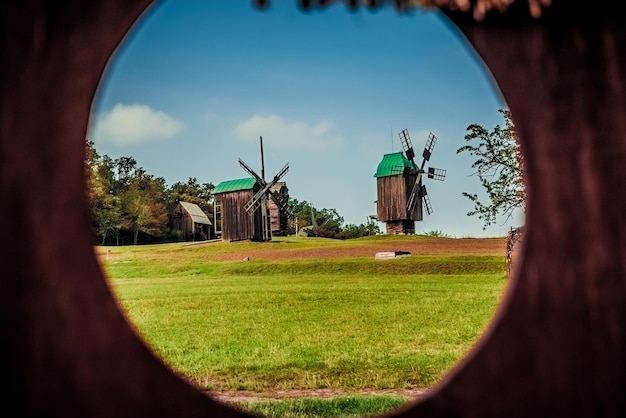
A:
x,y
301,211
129,205
436,233
325,223
143,204
499,167
192,192
356,231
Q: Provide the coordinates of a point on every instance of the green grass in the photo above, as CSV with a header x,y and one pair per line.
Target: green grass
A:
x,y
339,323
344,407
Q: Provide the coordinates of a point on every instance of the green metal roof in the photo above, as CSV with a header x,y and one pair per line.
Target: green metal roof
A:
x,y
392,165
234,185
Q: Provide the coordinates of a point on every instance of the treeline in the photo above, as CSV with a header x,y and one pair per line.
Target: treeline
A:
x,y
131,206
325,223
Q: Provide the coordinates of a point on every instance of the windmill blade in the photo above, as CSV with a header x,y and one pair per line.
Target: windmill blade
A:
x,y
410,205
251,172
256,201
264,191
430,145
436,173
424,196
262,159
274,195
277,199
407,145
428,149
279,175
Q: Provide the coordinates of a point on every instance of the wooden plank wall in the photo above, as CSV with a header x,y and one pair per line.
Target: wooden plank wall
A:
x,y
393,193
278,219
237,224
181,221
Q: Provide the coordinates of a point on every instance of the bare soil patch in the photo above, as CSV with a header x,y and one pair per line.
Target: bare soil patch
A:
x,y
426,246
247,396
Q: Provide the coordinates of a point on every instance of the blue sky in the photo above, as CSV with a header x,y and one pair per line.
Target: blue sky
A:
x,y
196,83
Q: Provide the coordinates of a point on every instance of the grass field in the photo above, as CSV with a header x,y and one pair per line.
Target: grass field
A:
x,y
306,314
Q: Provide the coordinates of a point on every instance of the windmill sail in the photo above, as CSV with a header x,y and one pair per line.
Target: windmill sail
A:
x,y
426,200
428,149
436,173
412,201
265,192
418,190
251,172
405,139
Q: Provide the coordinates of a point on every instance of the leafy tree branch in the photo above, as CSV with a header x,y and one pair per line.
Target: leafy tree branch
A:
x,y
499,167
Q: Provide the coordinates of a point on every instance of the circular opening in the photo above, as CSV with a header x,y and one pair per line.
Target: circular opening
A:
x,y
193,89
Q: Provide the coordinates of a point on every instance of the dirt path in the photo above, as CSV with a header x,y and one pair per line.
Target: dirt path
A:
x,y
246,396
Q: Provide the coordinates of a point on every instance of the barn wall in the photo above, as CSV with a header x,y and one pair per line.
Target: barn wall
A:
x,y
187,226
237,224
182,221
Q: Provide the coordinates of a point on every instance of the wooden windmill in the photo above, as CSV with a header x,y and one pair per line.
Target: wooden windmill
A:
x,y
268,192
401,194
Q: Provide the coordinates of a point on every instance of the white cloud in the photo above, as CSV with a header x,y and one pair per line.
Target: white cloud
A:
x,y
278,132
134,124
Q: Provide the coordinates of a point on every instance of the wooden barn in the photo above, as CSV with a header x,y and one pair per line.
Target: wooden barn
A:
x,y
395,179
278,217
232,221
191,220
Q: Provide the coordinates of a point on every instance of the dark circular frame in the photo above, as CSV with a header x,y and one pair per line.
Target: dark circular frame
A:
x,y
557,346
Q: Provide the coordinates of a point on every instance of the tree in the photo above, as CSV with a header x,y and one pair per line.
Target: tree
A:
x,y
325,222
143,204
499,167
192,192
104,203
301,211
356,231
124,199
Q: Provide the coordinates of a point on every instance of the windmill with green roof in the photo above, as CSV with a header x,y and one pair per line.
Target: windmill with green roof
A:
x,y
243,207
401,194
231,220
